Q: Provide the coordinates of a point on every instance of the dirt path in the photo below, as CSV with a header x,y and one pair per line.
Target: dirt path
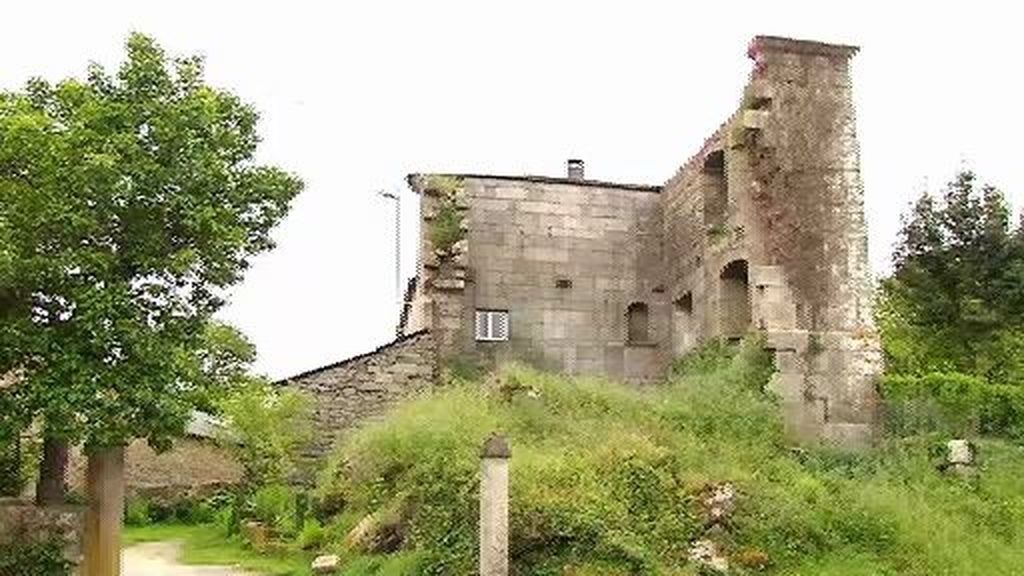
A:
x,y
161,559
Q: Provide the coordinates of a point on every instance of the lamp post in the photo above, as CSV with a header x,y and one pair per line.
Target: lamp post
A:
x,y
398,254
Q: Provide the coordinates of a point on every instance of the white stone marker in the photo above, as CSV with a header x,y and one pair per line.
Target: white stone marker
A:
x,y
494,507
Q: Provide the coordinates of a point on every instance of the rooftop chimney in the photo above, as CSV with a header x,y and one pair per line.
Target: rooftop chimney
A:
x,y
575,169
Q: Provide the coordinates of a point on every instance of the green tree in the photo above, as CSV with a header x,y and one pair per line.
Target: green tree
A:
x,y
955,301
268,429
128,203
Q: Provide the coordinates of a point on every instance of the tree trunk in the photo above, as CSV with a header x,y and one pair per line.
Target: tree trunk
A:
x,y
52,485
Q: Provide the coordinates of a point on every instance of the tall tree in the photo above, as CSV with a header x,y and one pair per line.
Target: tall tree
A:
x,y
128,203
954,299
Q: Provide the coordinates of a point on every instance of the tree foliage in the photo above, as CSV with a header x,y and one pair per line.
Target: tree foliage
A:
x,y
268,429
955,301
128,202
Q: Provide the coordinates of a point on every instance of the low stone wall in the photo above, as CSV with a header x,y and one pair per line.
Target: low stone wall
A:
x,y
192,468
21,521
364,387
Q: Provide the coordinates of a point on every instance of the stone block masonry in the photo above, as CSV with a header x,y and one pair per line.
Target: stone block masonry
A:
x,y
761,230
364,387
192,468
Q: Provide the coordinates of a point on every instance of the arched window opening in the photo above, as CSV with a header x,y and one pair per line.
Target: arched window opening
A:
x,y
684,304
734,300
684,336
637,323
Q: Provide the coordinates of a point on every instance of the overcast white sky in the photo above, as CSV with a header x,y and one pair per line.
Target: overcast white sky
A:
x,y
356,95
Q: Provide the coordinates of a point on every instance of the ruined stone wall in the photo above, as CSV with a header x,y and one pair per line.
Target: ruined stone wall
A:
x,y
192,468
566,260
792,213
365,387
23,522
763,229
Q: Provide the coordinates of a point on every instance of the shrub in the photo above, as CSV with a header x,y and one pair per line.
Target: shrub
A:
x,y
312,535
137,512
604,475
952,403
12,479
274,505
446,227
608,479
267,430
44,558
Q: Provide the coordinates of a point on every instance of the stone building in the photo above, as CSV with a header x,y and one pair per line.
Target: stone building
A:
x,y
761,230
196,466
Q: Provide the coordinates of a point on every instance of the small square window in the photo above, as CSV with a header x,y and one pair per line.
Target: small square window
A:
x,y
492,325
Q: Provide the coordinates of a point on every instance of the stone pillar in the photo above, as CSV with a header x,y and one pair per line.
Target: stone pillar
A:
x,y
494,507
104,485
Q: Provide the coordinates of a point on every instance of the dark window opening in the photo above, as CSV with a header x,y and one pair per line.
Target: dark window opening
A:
x,y
734,300
715,189
637,323
684,303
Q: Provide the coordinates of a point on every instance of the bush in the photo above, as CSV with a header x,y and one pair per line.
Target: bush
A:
x,y
605,475
12,479
274,506
137,512
267,431
954,404
141,511
44,558
312,536
608,479
446,227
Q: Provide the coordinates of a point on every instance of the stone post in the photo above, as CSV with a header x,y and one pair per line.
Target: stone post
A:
x,y
494,507
104,485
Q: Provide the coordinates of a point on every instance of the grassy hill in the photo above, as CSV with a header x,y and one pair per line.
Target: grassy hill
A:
x,y
608,479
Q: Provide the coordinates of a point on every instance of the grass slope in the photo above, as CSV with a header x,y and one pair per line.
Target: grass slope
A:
x,y
606,479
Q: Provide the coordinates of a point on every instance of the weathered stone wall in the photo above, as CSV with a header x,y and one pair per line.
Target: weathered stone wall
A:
x,y
762,229
793,213
192,468
21,522
364,387
566,259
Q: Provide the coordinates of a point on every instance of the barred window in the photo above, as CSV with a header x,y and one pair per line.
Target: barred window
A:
x,y
492,325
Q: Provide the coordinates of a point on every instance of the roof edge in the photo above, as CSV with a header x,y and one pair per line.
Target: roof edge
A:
x,y
798,46
411,178
340,363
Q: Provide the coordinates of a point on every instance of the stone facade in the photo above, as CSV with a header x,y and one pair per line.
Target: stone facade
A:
x,y
763,229
358,389
566,259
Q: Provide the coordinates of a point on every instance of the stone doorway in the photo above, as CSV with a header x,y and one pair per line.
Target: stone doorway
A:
x,y
734,300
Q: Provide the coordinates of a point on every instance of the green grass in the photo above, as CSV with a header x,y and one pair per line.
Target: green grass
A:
x,y
208,544
606,479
